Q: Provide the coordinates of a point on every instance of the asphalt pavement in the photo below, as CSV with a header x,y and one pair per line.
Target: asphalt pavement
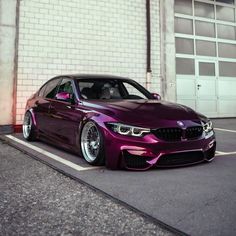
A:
x,y
37,200
198,200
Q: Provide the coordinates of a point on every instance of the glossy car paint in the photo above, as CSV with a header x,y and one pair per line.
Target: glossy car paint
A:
x,y
60,123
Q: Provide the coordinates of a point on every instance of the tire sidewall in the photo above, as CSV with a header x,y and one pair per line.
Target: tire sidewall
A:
x,y
100,159
32,134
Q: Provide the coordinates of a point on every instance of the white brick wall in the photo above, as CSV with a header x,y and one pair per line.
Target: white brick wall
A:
x,y
83,36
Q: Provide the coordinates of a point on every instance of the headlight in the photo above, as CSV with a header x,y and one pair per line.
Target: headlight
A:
x,y
128,130
207,126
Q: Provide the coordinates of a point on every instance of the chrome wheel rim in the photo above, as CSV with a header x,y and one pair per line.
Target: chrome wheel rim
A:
x,y
27,125
90,142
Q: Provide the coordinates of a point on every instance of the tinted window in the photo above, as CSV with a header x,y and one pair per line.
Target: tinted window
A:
x,y
226,32
183,26
227,50
99,89
204,10
183,6
225,13
226,1
206,68
205,48
227,69
66,86
111,89
184,46
42,91
185,66
51,88
205,29
65,90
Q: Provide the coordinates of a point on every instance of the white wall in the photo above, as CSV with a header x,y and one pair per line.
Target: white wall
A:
x,y
83,36
7,54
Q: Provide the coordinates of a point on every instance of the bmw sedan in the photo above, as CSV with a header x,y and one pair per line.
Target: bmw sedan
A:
x,y
115,121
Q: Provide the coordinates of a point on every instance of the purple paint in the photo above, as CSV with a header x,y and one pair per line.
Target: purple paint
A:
x,y
169,143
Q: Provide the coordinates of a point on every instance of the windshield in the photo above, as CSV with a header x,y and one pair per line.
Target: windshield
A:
x,y
111,89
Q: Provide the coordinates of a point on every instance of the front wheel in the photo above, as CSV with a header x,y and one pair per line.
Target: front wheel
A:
x,y
28,127
91,143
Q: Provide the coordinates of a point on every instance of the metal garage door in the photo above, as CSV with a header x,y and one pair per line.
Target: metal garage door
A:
x,y
205,39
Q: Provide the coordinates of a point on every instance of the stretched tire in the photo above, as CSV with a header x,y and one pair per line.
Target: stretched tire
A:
x,y
91,143
28,127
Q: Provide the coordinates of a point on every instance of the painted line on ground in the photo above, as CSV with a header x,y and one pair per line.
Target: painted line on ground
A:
x,y
51,155
225,130
219,153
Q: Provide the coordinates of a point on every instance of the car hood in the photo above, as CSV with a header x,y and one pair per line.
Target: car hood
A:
x,y
144,113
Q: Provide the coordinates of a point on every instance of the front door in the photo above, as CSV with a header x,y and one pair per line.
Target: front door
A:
x,y
206,87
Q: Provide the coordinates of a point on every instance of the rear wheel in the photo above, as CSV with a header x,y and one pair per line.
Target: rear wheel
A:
x,y
91,142
28,127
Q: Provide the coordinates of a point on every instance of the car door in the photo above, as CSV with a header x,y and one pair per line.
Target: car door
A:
x,y
65,115
42,106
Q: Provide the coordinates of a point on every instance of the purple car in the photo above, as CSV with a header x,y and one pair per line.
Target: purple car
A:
x,y
115,121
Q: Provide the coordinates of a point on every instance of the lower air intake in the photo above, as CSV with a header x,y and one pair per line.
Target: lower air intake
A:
x,y
178,159
135,162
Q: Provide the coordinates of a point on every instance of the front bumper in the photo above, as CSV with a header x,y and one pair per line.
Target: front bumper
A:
x,y
148,152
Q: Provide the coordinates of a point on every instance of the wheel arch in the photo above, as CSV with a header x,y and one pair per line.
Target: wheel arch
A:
x,y
111,162
31,111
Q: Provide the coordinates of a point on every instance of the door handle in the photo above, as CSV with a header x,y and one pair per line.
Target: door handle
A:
x,y
198,86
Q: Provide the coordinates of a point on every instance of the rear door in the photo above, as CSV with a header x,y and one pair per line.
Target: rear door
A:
x,y
65,115
42,105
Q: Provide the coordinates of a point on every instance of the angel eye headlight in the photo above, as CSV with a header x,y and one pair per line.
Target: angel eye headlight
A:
x,y
207,126
128,130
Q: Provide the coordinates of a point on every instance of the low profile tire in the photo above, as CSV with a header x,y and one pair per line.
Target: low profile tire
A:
x,y
91,143
28,127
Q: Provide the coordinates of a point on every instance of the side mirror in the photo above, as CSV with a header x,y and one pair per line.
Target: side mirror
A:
x,y
156,96
63,96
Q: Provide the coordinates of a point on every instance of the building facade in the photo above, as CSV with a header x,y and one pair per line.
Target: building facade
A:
x,y
190,63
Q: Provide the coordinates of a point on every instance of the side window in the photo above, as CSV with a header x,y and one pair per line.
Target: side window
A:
x,y
66,86
65,90
86,89
51,89
42,91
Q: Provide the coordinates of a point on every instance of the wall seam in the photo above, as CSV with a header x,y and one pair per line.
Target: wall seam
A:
x,y
162,53
16,62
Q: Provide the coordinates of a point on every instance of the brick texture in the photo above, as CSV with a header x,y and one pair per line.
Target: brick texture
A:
x,y
85,36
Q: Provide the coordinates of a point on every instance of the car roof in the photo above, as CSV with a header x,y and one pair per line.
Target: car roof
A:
x,y
94,76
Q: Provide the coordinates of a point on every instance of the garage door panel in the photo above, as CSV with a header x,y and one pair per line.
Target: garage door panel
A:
x,y
207,106
207,87
227,88
186,87
227,107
